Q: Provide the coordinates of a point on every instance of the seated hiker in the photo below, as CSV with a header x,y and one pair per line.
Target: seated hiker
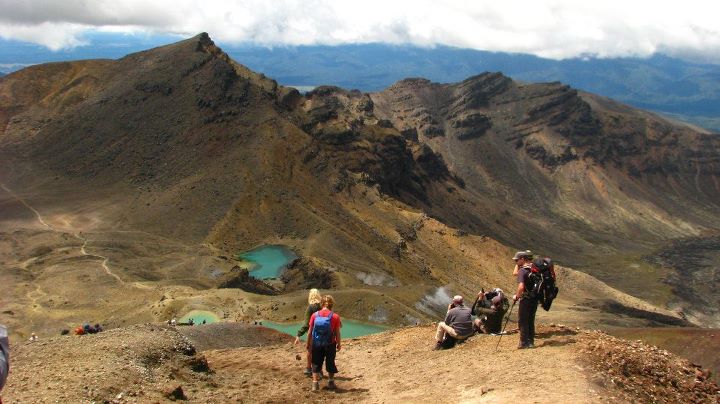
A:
x,y
490,308
324,342
457,325
98,328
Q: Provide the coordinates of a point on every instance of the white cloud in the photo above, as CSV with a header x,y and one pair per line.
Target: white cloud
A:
x,y
550,28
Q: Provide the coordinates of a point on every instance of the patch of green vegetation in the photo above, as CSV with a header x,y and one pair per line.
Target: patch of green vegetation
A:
x,y
632,275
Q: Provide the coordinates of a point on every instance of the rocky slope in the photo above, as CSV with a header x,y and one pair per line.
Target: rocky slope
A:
x,y
140,179
156,363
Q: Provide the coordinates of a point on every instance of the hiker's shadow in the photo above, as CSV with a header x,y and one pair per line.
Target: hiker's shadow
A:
x,y
340,390
553,333
344,378
558,342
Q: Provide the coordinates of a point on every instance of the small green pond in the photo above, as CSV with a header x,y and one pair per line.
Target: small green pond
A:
x,y
350,328
268,261
199,315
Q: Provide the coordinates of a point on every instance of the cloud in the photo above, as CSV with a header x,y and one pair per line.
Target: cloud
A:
x,y
550,28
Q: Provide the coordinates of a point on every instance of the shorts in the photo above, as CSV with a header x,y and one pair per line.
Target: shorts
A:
x,y
325,354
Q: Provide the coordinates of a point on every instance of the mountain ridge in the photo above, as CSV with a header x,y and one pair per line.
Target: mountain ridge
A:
x,y
169,162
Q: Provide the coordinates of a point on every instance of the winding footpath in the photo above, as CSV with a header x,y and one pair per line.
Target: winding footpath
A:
x,y
83,251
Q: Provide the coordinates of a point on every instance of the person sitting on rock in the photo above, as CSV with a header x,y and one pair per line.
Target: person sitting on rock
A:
x,y
457,326
313,306
490,308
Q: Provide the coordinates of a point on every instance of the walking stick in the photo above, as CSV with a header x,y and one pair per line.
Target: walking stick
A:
x,y
506,321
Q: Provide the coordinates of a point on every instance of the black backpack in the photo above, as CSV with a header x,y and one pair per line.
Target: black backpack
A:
x,y
542,275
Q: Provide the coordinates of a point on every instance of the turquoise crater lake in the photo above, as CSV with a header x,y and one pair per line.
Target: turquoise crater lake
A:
x,y
268,261
350,328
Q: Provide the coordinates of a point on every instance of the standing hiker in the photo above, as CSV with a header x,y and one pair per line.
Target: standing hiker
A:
x,y
4,357
528,302
324,341
457,326
314,299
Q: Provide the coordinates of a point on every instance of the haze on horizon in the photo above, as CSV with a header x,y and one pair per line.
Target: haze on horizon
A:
x,y
556,29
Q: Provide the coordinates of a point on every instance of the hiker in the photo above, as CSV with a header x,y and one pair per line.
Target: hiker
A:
x,y
517,268
4,357
490,308
528,302
324,342
314,299
457,326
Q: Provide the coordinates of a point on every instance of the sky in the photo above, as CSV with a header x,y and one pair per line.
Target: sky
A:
x,y
556,29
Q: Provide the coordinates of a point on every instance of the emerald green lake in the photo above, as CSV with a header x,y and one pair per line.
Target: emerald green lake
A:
x,y
199,315
350,328
268,261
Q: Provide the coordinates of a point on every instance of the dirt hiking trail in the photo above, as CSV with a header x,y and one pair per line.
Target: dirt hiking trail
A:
x,y
159,363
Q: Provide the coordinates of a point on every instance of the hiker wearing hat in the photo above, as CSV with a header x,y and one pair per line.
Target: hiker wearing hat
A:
x,y
528,304
457,325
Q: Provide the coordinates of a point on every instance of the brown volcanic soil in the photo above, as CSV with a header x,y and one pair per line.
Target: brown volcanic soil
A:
x,y
128,185
144,363
699,345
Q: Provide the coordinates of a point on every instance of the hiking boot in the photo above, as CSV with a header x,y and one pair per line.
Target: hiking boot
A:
x,y
522,346
308,372
331,385
438,346
530,345
315,386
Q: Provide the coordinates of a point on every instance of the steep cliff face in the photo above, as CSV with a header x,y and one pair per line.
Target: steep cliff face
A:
x,y
563,159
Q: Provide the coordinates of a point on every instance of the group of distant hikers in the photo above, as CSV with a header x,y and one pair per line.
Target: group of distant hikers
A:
x,y
536,286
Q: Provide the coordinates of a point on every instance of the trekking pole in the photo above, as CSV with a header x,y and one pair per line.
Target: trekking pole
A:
x,y
506,322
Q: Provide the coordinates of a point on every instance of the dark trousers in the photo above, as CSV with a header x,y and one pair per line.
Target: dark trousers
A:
x,y
325,354
526,320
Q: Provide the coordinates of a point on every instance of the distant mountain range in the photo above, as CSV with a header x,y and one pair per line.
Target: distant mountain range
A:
x,y
681,89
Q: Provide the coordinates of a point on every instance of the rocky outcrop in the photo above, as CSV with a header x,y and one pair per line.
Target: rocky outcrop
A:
x,y
309,272
239,278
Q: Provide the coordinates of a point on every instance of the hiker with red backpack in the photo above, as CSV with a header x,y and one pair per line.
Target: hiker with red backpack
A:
x,y
536,285
528,303
324,341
